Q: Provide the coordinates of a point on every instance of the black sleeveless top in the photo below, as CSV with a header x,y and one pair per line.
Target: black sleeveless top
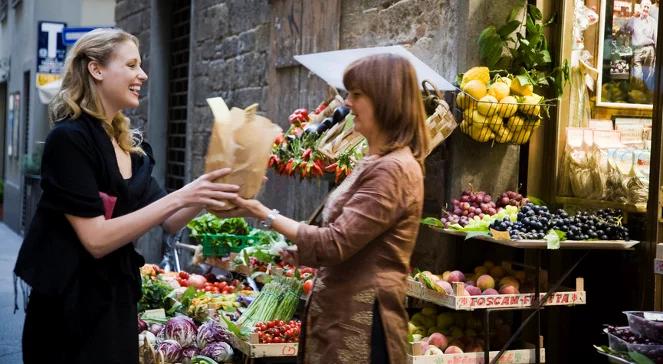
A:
x,y
79,162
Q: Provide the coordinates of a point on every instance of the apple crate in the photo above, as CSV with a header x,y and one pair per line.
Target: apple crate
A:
x,y
512,120
519,356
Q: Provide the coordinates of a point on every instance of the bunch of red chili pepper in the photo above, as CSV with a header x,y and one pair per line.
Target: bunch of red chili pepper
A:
x,y
294,153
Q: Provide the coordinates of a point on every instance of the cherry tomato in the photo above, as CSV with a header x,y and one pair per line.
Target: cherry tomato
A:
x,y
308,286
183,275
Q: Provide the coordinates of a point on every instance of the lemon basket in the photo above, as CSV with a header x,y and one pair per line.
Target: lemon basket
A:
x,y
221,245
510,120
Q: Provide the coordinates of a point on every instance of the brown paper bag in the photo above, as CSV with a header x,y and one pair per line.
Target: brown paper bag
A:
x,y
242,141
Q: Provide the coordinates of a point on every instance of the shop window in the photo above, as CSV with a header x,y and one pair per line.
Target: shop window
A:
x,y
178,91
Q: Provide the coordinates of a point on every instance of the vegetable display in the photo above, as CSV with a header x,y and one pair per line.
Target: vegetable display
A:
x,y
278,300
279,331
181,329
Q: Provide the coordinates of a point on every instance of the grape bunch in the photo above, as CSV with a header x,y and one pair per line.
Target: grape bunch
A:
x,y
533,223
469,205
629,336
511,198
603,224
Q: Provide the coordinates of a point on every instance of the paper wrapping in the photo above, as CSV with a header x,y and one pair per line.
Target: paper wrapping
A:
x,y
242,141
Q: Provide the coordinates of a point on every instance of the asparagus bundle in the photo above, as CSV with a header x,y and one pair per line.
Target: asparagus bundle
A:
x,y
278,300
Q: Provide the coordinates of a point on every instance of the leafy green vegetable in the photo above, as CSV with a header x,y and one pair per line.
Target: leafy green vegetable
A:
x,y
210,224
154,294
519,47
639,358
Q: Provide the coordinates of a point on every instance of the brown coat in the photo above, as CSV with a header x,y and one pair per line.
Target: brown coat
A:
x,y
364,249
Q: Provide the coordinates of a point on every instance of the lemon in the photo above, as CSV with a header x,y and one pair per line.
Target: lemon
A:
x,y
507,107
463,101
480,133
522,136
522,90
498,89
502,134
505,80
487,105
476,73
530,105
476,89
515,123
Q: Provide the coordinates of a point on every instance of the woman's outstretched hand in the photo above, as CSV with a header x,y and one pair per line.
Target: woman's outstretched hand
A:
x,y
203,192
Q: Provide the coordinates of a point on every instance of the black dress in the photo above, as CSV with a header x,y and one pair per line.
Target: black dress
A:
x,y
82,309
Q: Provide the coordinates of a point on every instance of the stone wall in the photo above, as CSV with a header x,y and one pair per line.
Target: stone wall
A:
x,y
232,39
134,17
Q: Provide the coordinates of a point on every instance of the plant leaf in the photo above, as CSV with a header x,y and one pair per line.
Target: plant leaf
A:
x,y
508,28
550,20
523,80
535,200
472,234
432,221
534,12
639,358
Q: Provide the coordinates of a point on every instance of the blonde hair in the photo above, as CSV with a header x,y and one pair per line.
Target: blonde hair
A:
x,y
78,92
390,82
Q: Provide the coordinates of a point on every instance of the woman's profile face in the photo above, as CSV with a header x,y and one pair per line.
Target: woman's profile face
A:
x,y
122,77
364,112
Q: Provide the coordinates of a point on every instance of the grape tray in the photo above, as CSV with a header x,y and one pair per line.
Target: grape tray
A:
x,y
469,303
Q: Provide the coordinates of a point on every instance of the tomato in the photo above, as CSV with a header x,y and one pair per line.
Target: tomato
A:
x,y
183,275
277,340
280,323
271,324
308,286
230,289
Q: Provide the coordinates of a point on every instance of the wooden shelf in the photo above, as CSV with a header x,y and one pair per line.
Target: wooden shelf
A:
x,y
469,303
640,208
542,244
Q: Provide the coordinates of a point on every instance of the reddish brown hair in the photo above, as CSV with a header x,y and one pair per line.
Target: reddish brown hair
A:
x,y
390,82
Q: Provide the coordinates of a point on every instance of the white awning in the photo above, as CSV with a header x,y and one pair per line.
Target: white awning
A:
x,y
330,65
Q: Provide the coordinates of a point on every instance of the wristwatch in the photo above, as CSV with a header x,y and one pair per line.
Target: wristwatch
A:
x,y
266,224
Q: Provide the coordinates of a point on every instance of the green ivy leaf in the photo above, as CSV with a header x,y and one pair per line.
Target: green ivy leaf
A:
x,y
508,28
534,12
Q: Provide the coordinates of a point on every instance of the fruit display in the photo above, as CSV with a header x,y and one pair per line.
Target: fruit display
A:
x,y
278,331
534,222
442,332
511,198
486,279
473,206
503,109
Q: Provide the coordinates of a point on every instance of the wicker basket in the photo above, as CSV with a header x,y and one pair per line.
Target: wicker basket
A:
x,y
500,122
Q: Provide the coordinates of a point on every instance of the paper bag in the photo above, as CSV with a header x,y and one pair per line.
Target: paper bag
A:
x,y
240,140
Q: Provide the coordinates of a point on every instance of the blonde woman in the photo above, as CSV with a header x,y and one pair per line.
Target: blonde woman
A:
x,y
98,197
356,313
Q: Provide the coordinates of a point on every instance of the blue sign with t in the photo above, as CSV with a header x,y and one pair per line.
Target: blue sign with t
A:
x,y
51,50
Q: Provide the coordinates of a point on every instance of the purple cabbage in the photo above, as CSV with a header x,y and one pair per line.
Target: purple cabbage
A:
x,y
155,329
188,353
218,351
210,332
142,325
181,329
171,349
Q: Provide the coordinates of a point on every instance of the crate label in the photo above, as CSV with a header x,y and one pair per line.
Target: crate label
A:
x,y
289,350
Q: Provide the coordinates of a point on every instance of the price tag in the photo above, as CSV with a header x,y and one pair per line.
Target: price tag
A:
x,y
500,235
653,316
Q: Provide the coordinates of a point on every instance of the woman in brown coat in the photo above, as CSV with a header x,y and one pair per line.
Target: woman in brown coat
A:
x,y
356,313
